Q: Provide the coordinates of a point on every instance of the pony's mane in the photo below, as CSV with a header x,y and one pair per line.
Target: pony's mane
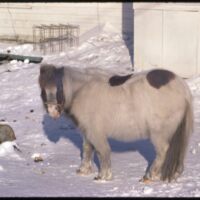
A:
x,y
48,71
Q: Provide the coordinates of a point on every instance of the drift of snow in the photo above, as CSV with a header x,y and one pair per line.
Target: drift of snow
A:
x,y
147,190
59,141
1,168
6,148
19,49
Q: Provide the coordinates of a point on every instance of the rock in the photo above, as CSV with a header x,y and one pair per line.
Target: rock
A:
x,y
37,157
6,133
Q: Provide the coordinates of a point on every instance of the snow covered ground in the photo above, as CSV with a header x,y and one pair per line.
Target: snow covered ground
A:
x,y
58,142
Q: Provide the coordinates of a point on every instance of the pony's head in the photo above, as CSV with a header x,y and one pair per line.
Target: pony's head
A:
x,y
50,81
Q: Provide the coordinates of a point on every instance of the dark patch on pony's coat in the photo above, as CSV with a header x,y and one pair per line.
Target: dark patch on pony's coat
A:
x,y
119,80
159,77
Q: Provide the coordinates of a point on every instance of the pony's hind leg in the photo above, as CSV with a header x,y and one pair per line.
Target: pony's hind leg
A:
x,y
86,164
154,172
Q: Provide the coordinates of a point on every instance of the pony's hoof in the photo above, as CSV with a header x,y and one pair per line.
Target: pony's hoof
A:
x,y
84,172
99,179
145,180
102,179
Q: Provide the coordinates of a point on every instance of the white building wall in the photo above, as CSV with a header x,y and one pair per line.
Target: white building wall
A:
x,y
166,35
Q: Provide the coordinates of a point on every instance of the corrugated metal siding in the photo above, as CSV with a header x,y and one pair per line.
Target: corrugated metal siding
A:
x,y
18,18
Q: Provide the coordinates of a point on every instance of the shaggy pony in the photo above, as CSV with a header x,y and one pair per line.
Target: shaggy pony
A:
x,y
155,104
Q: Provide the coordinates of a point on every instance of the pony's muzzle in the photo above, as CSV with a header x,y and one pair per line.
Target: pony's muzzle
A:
x,y
53,111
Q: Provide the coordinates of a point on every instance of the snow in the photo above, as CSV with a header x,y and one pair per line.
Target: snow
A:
x,y
1,168
147,190
59,143
7,148
24,49
26,61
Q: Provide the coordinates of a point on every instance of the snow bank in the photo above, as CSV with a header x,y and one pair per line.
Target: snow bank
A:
x,y
58,141
24,49
7,148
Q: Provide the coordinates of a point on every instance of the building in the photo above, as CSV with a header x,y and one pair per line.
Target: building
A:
x,y
167,35
163,35
17,19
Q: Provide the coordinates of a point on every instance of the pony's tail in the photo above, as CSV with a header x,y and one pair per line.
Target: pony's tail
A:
x,y
174,161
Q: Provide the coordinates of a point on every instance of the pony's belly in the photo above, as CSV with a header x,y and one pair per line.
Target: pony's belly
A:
x,y
128,134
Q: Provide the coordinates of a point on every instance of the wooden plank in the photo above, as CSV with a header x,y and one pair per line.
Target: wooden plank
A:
x,y
32,59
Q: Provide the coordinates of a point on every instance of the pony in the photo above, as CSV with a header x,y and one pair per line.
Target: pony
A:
x,y
154,104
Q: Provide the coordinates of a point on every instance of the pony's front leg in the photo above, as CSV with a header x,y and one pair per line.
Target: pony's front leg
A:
x,y
103,153
86,164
